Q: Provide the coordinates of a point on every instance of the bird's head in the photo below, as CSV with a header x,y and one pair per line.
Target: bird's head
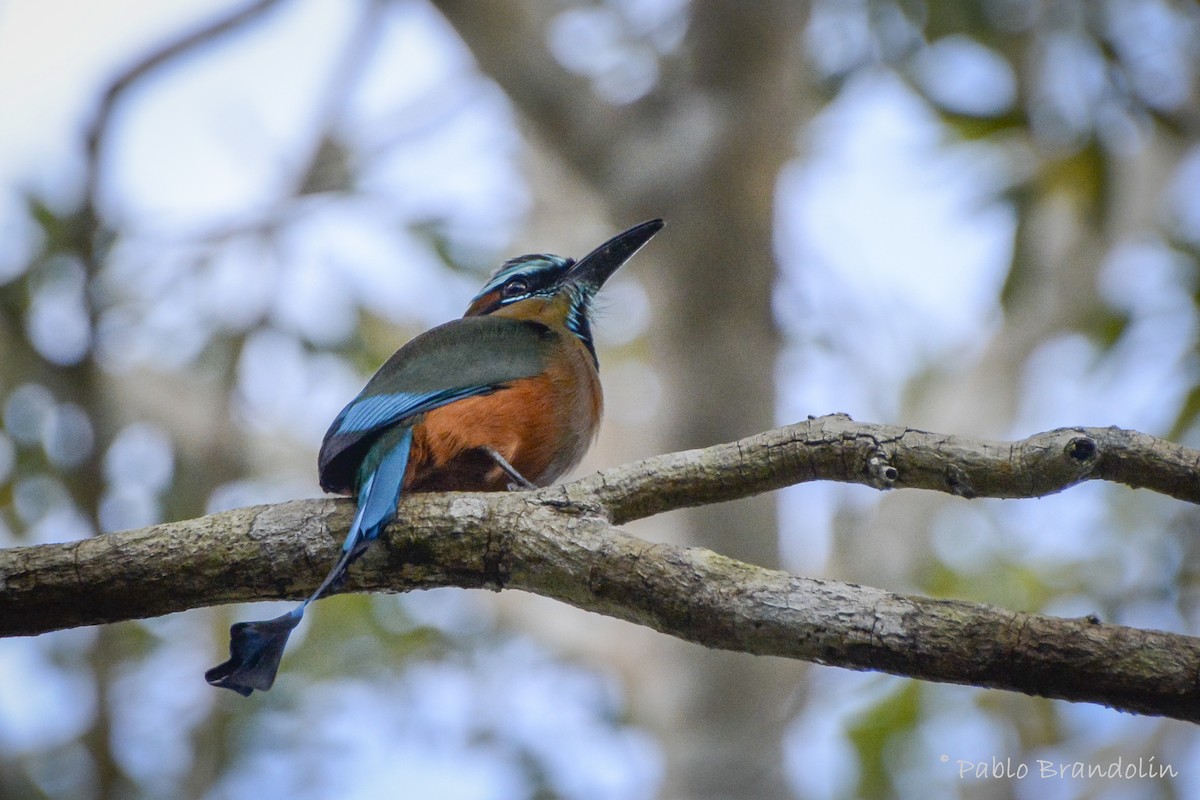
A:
x,y
554,289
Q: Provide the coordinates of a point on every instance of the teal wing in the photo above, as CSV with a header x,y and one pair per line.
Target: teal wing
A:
x,y
462,358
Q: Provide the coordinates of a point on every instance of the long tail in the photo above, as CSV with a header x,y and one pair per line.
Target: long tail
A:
x,y
255,648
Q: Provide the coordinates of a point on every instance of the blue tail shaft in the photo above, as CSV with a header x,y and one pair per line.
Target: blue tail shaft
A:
x,y
255,648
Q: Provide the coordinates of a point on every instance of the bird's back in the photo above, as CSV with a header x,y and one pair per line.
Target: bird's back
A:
x,y
460,359
542,425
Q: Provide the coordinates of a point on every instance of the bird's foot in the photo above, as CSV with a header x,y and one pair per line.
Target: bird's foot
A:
x,y
519,481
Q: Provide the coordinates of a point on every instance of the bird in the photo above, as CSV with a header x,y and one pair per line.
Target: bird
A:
x,y
506,397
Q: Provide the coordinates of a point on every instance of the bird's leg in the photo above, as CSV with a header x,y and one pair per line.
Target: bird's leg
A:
x,y
519,480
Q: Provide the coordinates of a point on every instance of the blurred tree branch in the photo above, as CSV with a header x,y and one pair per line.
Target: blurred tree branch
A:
x,y
561,542
699,136
147,64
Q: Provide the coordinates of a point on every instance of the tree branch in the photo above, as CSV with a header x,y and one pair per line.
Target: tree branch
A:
x,y
561,542
509,41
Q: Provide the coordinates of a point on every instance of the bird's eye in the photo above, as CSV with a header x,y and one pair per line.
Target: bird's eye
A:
x,y
516,287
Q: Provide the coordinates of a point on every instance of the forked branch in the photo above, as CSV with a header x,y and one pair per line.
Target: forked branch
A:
x,y
562,542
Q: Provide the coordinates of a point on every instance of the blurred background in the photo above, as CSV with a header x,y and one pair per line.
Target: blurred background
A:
x,y
217,218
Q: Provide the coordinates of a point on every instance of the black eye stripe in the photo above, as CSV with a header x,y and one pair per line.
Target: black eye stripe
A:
x,y
520,277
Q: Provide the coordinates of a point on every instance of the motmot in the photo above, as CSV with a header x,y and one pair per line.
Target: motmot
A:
x,y
507,396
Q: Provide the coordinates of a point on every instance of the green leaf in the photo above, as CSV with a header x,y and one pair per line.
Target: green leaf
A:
x,y
894,716
1187,415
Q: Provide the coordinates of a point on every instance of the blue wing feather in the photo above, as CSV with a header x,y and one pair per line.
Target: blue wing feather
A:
x,y
373,412
367,419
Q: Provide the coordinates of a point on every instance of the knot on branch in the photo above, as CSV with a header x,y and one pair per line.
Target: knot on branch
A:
x,y
958,483
1082,449
571,506
883,475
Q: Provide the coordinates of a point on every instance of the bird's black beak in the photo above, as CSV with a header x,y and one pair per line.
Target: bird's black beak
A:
x,y
591,271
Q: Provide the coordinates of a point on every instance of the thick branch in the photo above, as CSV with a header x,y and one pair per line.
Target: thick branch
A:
x,y
560,542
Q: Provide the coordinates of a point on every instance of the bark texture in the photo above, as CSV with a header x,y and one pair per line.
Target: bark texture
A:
x,y
562,542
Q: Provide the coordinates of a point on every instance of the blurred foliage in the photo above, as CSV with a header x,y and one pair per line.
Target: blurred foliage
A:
x,y
70,319
875,733
1093,90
